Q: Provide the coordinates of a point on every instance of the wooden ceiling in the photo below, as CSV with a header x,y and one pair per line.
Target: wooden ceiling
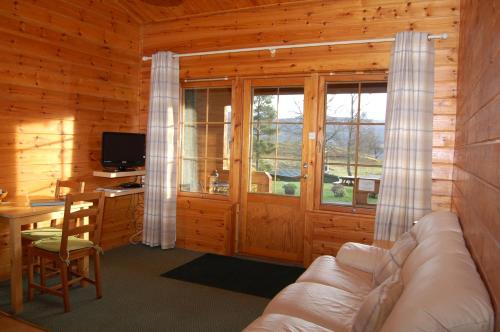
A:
x,y
148,11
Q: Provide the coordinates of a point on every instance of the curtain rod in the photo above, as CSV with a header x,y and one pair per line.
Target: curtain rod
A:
x,y
273,49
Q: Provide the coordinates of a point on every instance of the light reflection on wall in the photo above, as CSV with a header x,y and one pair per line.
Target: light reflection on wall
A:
x,y
44,153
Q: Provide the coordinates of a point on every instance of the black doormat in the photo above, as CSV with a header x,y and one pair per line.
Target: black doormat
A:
x,y
238,275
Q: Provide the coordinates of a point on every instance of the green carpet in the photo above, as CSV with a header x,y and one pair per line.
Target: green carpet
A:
x,y
137,298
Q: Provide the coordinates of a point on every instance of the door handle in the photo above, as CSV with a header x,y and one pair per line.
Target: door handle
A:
x,y
305,176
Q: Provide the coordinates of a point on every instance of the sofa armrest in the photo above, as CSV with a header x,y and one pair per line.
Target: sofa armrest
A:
x,y
360,256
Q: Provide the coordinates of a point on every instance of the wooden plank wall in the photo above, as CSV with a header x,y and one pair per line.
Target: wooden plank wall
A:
x,y
315,21
69,70
476,186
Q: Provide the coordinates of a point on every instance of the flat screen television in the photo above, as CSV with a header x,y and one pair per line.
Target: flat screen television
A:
x,y
123,151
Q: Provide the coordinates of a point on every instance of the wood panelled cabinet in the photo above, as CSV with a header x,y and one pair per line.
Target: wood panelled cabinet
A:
x,y
205,225
326,232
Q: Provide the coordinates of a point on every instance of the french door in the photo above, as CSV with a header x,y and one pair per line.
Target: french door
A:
x,y
275,167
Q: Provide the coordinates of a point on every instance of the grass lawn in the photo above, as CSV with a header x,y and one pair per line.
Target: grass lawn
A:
x,y
328,196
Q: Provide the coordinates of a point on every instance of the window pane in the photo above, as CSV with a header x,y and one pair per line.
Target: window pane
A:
x,y
193,175
369,172
340,144
371,145
272,143
227,144
342,103
337,185
206,146
216,140
265,105
288,175
373,102
291,105
263,165
193,141
352,168
264,140
290,141
195,105
367,185
219,105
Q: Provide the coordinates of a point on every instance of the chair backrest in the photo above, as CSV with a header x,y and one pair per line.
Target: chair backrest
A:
x,y
263,181
94,214
72,186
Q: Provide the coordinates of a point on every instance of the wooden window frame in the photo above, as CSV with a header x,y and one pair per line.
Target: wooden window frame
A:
x,y
320,132
205,85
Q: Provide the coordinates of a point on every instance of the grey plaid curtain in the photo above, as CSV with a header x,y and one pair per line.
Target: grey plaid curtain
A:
x,y
161,148
405,189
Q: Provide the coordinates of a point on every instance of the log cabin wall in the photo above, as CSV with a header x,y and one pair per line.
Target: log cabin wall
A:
x,y
476,186
314,21
69,70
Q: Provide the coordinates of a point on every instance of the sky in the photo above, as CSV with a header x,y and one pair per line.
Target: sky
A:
x,y
372,105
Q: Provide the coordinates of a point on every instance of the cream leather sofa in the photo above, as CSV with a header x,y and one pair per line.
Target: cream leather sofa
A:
x,y
442,288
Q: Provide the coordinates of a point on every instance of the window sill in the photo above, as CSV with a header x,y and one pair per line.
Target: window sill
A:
x,y
348,209
204,196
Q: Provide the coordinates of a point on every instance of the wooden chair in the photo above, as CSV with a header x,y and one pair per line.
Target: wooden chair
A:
x,y
263,182
70,247
63,187
71,187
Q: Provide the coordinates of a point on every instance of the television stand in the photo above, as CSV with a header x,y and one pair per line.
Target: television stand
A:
x,y
118,174
119,169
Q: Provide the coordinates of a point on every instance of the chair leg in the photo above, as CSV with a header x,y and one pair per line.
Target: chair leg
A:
x,y
97,274
65,289
31,291
42,274
70,274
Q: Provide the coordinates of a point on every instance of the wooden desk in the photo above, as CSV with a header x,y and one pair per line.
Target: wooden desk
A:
x,y
16,216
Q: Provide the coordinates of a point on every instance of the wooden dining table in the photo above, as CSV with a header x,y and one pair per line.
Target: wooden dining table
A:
x,y
15,217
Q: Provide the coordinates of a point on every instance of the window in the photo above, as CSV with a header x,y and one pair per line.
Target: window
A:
x,y
353,143
276,142
206,136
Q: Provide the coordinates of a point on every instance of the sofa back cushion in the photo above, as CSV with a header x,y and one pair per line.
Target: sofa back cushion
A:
x,y
378,304
443,290
393,259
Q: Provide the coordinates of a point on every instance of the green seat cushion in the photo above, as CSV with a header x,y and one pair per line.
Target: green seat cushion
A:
x,y
41,233
54,243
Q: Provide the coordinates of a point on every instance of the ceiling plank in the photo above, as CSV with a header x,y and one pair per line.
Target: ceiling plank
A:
x,y
146,13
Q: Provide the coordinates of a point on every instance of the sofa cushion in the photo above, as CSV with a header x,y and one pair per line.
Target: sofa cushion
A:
x,y
322,305
41,233
54,244
393,259
442,243
276,322
360,256
378,305
328,271
442,288
436,222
